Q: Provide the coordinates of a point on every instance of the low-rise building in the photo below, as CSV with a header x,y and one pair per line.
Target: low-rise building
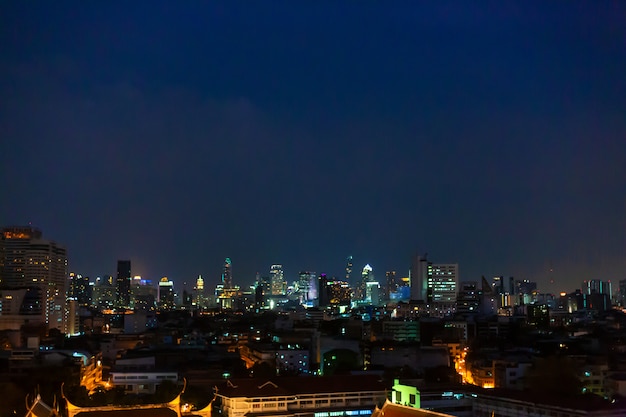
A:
x,y
337,396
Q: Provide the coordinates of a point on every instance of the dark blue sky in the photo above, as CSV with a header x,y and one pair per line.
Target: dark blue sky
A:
x,y
492,134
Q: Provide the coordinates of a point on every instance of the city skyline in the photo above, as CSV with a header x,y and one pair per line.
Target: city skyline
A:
x,y
487,135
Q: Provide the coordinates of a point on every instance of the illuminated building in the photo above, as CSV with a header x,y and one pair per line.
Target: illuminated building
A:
x,y
348,268
143,295
199,297
307,287
80,289
339,293
367,275
405,394
166,294
324,295
122,284
468,299
262,291
595,286
525,290
103,293
442,283
390,284
277,281
336,396
227,274
39,266
372,292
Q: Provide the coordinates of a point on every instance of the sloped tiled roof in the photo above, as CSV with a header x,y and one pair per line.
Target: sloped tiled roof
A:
x,y
390,409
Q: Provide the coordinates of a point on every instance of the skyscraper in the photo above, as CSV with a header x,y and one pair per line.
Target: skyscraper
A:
x,y
418,277
348,268
442,283
367,275
122,284
80,290
277,280
307,287
227,274
391,285
38,269
199,293
166,294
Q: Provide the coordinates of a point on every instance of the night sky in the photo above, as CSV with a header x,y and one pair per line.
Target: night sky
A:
x,y
175,134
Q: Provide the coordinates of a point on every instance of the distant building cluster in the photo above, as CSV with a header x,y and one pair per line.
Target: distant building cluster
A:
x,y
37,288
365,329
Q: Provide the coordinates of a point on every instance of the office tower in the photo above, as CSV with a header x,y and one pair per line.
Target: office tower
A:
x,y
39,268
338,293
324,296
418,277
348,268
166,294
227,274
143,295
468,298
122,284
372,293
277,280
595,286
367,275
103,296
442,283
498,285
622,293
80,290
199,293
391,284
262,291
524,290
307,287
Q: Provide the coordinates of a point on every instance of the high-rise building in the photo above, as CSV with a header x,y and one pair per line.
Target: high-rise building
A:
x,y
307,287
442,283
622,293
372,293
468,298
122,284
348,268
80,290
199,296
367,275
227,274
324,296
277,280
103,293
338,293
498,285
39,266
391,285
418,277
143,295
595,286
262,291
166,294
